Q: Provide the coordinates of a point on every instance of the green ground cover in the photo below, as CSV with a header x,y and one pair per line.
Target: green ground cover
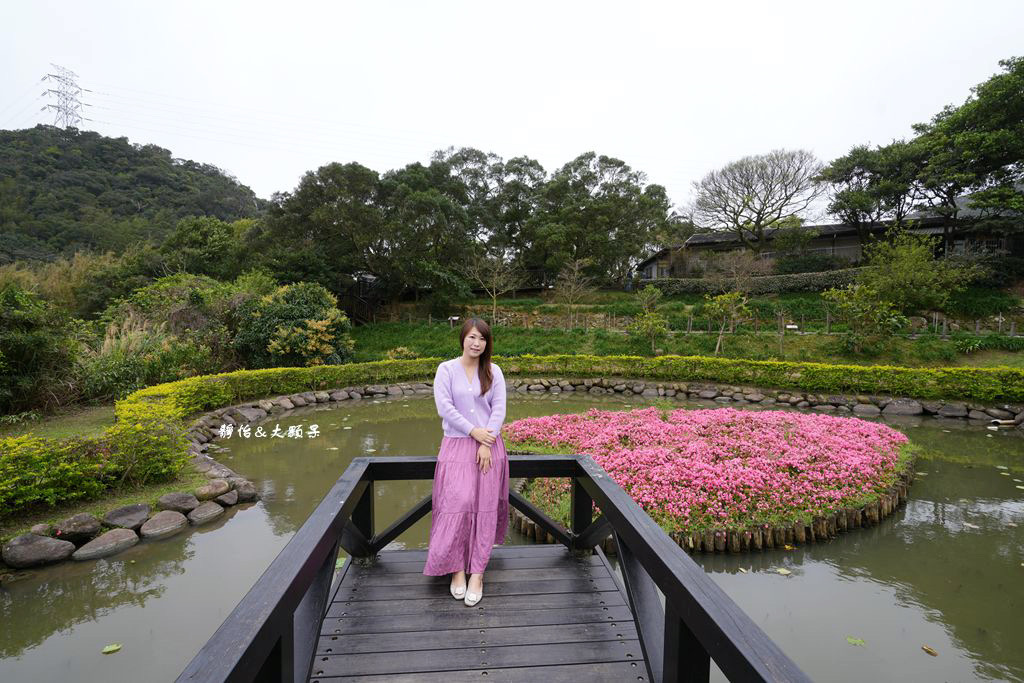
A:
x,y
439,340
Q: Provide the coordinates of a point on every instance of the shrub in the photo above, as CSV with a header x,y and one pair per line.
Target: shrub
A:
x,y
297,325
36,471
808,263
903,270
401,353
868,316
38,343
149,448
968,343
767,284
977,302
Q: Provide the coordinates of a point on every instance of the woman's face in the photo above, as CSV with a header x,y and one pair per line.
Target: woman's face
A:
x,y
474,344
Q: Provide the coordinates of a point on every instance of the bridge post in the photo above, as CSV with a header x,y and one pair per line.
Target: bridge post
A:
x,y
686,660
581,509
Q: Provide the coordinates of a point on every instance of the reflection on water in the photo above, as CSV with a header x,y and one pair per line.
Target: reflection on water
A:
x,y
944,571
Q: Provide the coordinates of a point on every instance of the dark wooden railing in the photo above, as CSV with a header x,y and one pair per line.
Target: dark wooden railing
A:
x,y
272,633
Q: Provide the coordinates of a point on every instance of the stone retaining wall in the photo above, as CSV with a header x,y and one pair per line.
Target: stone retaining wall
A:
x,y
81,538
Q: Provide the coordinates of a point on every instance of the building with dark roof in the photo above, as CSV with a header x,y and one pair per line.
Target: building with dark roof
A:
x,y
839,241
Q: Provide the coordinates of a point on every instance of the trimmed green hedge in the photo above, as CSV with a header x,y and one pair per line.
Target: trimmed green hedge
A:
x,y
767,284
145,446
148,441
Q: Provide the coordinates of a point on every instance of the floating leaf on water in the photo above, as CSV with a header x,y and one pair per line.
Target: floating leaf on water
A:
x,y
332,448
788,547
742,570
930,651
784,572
971,526
855,641
110,649
920,474
346,428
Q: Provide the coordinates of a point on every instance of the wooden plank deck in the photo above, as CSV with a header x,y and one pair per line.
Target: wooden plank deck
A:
x,y
545,615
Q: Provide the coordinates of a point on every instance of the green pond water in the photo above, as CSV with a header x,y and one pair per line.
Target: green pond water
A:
x,y
945,571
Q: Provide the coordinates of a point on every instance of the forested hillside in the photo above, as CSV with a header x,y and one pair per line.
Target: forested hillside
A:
x,y
61,191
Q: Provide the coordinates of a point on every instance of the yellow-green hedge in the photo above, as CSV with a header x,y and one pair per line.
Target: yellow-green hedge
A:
x,y
152,421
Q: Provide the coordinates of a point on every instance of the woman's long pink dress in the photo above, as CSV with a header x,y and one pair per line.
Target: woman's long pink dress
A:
x,y
470,509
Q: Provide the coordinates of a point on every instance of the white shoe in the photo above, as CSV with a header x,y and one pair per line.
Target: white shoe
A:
x,y
473,598
457,593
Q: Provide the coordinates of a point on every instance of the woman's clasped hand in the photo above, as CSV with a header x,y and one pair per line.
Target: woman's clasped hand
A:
x,y
483,458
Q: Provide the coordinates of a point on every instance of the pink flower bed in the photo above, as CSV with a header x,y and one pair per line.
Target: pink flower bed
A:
x,y
725,468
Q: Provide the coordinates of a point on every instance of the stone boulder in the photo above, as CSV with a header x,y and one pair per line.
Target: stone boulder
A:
x,y
245,489
953,410
903,406
41,530
207,512
866,409
79,529
252,414
178,502
999,413
978,415
31,550
114,541
285,403
228,499
164,523
215,488
127,517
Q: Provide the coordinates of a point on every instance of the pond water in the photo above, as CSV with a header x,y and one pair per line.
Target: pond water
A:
x,y
945,571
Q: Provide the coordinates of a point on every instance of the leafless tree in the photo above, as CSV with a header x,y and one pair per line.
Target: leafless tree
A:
x,y
733,270
496,275
752,194
572,285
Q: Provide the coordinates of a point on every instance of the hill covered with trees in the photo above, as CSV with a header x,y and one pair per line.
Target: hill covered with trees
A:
x,y
61,191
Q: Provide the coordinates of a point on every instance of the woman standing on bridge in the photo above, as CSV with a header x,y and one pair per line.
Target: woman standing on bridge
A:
x,y
470,508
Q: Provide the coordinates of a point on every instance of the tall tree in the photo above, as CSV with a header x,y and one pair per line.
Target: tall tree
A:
x,y
977,148
749,196
869,186
331,228
595,208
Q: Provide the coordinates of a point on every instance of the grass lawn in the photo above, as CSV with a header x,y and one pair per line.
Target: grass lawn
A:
x,y
73,421
986,359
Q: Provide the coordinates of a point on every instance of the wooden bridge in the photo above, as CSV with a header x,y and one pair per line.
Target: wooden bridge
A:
x,y
550,612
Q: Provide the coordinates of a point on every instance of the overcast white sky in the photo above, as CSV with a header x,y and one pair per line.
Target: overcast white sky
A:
x,y
268,91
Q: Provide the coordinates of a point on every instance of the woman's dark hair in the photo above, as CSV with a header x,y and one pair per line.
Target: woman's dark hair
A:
x,y
484,371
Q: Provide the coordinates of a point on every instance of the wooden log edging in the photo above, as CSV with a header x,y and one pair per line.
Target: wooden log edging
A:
x,y
818,530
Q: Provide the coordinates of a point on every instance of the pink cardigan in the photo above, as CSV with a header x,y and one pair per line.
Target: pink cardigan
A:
x,y
460,404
